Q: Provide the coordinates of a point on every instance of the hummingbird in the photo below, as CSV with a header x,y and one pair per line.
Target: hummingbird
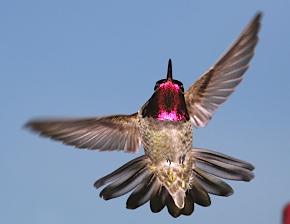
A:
x,y
171,173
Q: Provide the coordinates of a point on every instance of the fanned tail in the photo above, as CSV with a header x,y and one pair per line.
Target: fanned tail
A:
x,y
208,167
138,177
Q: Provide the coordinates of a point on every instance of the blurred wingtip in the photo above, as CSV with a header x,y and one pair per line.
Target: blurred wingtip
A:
x,y
28,125
259,14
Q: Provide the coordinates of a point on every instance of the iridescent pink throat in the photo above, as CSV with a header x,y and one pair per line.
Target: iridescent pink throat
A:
x,y
169,116
170,111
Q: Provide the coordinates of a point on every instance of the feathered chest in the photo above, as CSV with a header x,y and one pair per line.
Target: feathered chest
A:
x,y
165,139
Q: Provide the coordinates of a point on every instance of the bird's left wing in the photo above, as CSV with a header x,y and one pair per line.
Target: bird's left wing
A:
x,y
215,86
116,132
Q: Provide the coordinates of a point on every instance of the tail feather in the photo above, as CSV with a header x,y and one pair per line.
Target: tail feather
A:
x,y
157,202
224,170
212,184
162,198
188,205
186,210
172,208
124,185
142,193
199,195
210,155
127,168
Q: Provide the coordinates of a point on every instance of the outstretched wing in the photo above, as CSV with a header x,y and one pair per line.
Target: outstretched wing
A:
x,y
217,84
117,132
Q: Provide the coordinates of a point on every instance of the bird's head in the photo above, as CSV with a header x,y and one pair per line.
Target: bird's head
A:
x,y
167,101
169,85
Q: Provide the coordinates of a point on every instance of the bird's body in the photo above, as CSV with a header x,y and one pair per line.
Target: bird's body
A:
x,y
167,144
171,173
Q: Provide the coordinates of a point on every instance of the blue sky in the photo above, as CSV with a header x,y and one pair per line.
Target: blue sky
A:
x,y
85,58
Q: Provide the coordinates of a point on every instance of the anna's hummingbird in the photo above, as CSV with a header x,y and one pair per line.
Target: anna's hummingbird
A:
x,y
171,173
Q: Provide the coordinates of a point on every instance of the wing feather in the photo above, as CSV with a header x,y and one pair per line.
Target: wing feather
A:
x,y
217,84
117,132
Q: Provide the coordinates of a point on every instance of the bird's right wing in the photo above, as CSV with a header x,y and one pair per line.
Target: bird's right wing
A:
x,y
117,132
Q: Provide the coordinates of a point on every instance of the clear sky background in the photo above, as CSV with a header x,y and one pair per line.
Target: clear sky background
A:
x,y
86,58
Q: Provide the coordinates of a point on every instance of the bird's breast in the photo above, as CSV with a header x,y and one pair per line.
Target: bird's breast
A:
x,y
165,140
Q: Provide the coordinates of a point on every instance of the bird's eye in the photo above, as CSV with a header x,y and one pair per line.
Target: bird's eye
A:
x,y
155,87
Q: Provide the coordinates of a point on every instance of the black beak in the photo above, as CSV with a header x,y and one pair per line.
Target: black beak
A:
x,y
169,70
